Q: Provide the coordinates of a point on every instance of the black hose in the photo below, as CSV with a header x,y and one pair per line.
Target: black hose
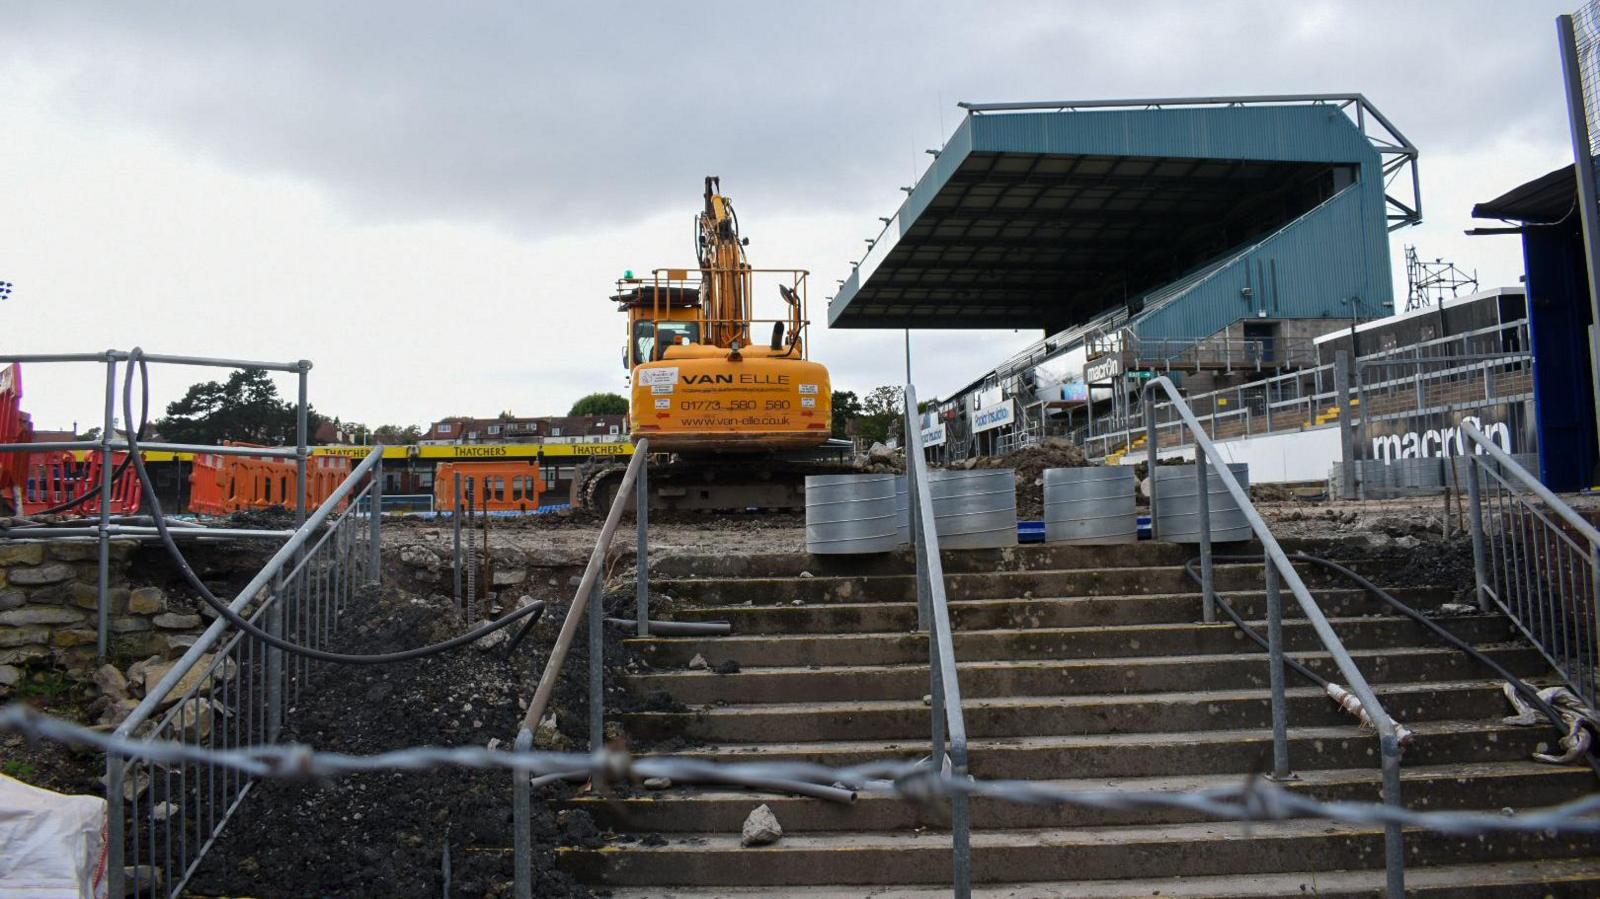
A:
x,y
1527,692
136,357
1249,631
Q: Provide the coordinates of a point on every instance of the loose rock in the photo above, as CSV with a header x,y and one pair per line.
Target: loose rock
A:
x,y
761,828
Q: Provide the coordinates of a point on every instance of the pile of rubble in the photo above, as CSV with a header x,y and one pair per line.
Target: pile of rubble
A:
x,y
121,692
1030,464
881,459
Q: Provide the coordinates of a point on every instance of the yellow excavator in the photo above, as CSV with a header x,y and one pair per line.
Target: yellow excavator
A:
x,y
742,419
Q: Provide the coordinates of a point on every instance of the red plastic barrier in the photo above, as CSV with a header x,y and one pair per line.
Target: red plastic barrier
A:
x,y
15,427
53,479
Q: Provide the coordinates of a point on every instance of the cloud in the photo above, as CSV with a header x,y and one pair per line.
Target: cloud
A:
x,y
431,202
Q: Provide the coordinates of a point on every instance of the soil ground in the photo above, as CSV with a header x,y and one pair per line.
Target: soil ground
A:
x,y
386,834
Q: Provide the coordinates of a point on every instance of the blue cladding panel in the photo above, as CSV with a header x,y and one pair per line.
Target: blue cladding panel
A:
x,y
1335,251
1276,133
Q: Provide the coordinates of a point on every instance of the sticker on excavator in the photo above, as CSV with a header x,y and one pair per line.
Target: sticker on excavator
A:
x,y
667,375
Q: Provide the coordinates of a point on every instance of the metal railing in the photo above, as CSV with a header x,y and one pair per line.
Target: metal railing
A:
x,y
230,691
1216,352
933,615
1535,558
588,600
1293,400
107,444
1278,571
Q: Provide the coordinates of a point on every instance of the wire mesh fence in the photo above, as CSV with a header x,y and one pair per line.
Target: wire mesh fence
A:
x,y
230,691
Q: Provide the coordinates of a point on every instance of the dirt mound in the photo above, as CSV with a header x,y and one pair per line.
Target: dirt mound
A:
x,y
1030,464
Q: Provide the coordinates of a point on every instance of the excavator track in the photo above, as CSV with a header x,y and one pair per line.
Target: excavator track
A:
x,y
709,484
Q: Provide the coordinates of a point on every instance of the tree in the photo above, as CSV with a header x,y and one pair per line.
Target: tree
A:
x,y
846,406
880,413
600,404
395,435
245,408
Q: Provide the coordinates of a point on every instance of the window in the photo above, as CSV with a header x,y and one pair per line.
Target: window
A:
x,y
671,333
494,429
615,429
555,432
443,428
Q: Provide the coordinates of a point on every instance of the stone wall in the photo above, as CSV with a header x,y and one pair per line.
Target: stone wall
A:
x,y
48,610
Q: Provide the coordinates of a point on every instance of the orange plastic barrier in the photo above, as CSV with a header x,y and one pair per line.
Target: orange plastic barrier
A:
x,y
222,485
497,486
53,479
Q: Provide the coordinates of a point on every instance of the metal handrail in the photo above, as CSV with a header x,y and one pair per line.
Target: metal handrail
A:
x,y
1549,584
284,565
1279,568
933,613
586,599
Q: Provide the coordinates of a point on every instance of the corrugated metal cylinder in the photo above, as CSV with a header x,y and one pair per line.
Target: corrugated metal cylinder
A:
x,y
851,513
1178,506
974,509
902,511
1090,505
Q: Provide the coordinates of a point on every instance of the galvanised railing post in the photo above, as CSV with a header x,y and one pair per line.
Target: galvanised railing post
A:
x,y
275,657
948,719
641,517
103,587
522,826
302,427
455,519
115,835
1394,841
1280,703
1208,596
597,670
1480,562
375,535
1151,430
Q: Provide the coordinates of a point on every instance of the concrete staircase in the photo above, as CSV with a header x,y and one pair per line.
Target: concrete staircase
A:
x,y
1084,667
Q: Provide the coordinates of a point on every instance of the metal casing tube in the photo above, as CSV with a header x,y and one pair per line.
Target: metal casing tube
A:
x,y
851,513
974,509
1090,505
1178,510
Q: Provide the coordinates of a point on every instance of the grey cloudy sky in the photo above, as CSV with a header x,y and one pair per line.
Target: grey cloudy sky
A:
x,y
430,201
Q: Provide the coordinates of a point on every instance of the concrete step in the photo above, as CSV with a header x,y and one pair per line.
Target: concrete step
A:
x,y
1016,716
1119,641
1027,613
984,585
1523,784
1169,754
1065,677
1035,557
1172,850
1539,879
